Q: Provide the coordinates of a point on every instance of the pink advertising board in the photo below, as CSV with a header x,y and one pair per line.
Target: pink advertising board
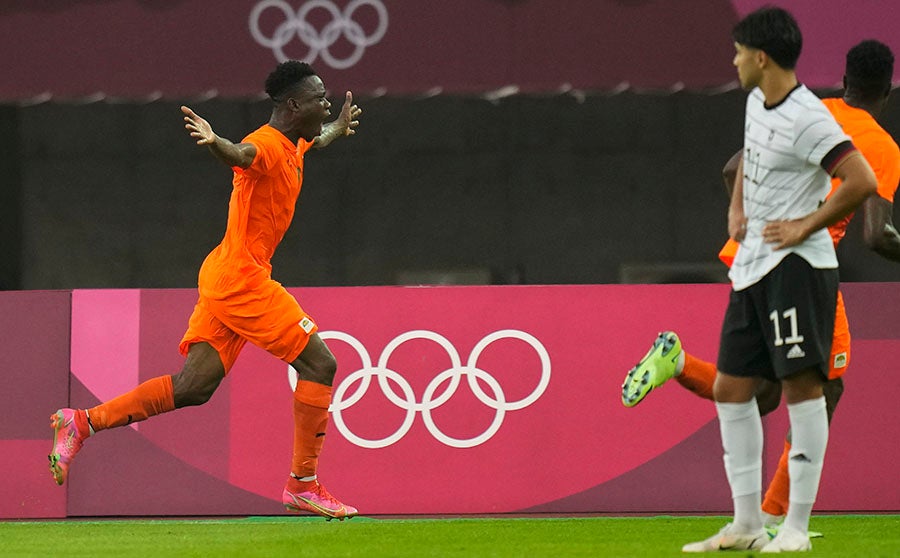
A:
x,y
454,400
34,375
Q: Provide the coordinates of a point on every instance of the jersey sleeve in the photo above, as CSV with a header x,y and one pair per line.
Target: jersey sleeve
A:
x,y
817,134
266,153
885,163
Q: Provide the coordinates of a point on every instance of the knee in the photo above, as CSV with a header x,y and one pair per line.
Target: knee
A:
x,y
321,370
198,396
326,368
191,388
768,397
833,390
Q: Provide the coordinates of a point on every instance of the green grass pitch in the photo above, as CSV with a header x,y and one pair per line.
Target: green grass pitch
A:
x,y
845,535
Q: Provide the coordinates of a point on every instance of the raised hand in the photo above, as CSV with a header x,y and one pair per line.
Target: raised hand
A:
x,y
347,119
198,127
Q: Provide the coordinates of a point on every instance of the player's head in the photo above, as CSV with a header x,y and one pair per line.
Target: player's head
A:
x,y
769,30
299,97
287,77
869,71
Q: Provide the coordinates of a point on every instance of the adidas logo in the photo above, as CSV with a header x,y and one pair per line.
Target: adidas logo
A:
x,y
796,352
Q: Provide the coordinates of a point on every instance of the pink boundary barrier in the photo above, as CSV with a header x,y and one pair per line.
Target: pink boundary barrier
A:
x,y
447,400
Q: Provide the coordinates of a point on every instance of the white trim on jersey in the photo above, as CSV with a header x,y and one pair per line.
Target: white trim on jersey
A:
x,y
783,179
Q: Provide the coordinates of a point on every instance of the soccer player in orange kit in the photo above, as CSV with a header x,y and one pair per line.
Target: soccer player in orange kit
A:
x,y
238,299
867,85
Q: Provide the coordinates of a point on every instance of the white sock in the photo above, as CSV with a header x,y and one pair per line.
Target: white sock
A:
x,y
304,479
809,427
742,440
90,426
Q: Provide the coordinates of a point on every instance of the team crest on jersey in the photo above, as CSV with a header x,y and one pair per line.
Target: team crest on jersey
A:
x,y
306,324
840,360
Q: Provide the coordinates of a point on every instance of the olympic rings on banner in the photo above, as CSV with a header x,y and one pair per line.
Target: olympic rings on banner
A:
x,y
341,24
343,399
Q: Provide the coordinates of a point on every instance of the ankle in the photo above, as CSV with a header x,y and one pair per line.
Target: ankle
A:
x,y
297,483
83,423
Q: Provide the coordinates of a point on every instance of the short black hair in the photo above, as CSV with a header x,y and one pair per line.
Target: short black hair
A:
x,y
870,70
285,77
773,31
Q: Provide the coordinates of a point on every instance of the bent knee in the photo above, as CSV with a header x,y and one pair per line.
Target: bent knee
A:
x,y
194,386
321,370
194,397
325,368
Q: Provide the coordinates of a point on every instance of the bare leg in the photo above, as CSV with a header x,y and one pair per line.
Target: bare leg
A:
x,y
202,373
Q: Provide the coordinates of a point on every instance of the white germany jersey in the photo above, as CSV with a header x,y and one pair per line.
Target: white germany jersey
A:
x,y
783,179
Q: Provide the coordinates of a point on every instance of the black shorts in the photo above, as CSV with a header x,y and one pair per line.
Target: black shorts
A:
x,y
782,324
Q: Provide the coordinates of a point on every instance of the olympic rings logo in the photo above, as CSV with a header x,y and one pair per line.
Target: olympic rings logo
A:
x,y
341,24
342,399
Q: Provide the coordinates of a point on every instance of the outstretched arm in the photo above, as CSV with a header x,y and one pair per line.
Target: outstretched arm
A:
x,y
879,232
232,154
343,125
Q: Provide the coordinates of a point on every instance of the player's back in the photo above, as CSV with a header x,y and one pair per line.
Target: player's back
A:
x,y
876,145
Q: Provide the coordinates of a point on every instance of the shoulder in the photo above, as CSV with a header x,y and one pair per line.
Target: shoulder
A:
x,y
875,142
261,135
809,111
265,142
804,102
835,105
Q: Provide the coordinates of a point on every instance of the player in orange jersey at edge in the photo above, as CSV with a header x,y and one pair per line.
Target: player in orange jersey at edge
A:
x,y
867,85
239,301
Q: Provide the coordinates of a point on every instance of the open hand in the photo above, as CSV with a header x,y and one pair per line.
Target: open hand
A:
x,y
784,234
198,127
347,119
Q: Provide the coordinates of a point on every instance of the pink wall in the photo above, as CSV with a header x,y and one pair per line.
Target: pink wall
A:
x,y
123,48
496,384
830,28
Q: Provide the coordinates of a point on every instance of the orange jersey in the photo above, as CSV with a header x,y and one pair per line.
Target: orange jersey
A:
x,y
876,145
259,213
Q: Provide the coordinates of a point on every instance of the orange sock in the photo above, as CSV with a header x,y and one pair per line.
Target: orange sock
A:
x,y
776,500
311,402
698,376
150,398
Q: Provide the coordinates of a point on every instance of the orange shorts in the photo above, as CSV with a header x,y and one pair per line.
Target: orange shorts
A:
x,y
268,316
840,342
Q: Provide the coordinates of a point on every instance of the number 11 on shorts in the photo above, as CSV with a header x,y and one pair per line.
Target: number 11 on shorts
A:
x,y
791,316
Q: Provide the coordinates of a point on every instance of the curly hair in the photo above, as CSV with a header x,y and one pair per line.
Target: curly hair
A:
x,y
285,77
870,69
773,31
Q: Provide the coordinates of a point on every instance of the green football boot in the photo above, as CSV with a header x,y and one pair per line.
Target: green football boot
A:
x,y
653,370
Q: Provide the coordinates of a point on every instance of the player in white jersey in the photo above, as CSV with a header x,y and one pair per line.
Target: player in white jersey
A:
x,y
780,317
776,188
